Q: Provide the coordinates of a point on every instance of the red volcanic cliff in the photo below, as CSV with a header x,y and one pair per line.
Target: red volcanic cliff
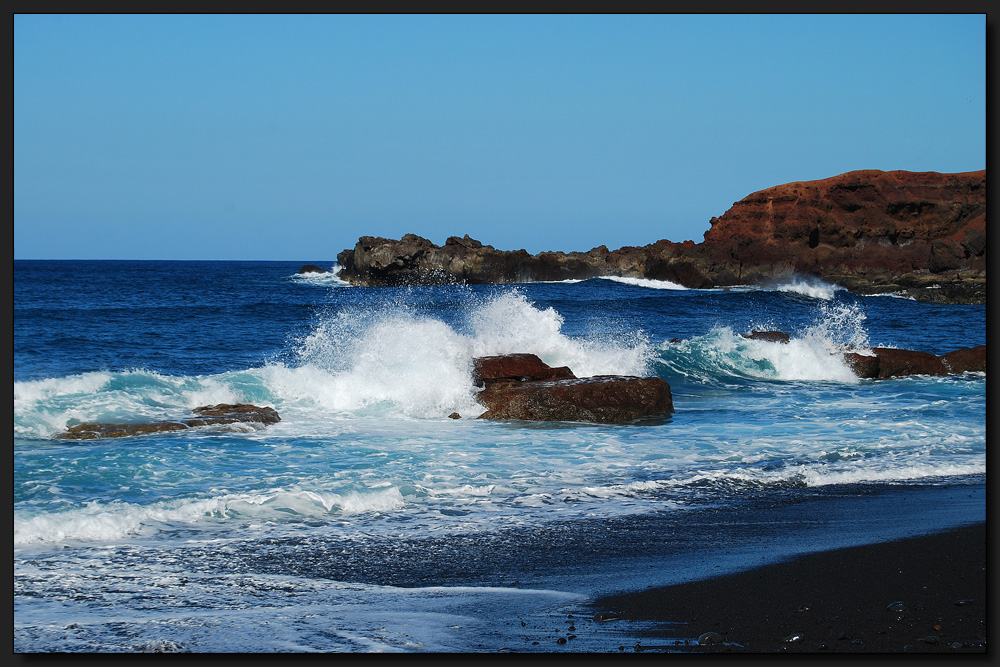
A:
x,y
921,233
867,225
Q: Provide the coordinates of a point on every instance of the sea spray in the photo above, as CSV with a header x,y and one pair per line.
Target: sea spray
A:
x,y
839,327
389,362
386,358
330,278
810,287
645,282
510,323
815,354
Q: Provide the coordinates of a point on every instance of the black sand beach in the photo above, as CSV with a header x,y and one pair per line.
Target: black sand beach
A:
x,y
924,594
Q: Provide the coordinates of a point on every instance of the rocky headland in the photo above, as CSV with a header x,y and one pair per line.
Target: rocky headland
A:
x,y
921,234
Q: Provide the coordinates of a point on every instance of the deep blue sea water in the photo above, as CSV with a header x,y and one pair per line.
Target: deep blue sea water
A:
x,y
367,520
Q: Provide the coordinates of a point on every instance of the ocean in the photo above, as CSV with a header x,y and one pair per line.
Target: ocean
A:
x,y
367,520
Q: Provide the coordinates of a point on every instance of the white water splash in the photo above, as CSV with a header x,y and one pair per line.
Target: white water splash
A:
x,y
811,287
839,328
645,282
394,361
512,324
816,354
332,277
109,521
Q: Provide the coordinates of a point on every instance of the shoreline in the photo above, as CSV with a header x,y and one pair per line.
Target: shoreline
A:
x,y
920,594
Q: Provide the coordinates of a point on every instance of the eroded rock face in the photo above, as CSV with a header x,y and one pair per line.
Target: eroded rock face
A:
x,y
206,415
864,230
918,233
522,387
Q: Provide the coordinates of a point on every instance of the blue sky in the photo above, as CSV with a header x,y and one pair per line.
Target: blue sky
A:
x,y
286,137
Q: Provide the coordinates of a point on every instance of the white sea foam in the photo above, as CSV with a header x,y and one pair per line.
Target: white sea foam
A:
x,y
723,352
387,361
840,328
45,407
815,354
393,361
511,324
115,520
811,287
332,277
646,282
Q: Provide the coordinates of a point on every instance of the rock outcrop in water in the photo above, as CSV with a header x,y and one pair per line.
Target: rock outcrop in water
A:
x,y
522,387
208,415
918,233
886,362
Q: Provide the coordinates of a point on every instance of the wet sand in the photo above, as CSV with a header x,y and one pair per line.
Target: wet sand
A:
x,y
913,595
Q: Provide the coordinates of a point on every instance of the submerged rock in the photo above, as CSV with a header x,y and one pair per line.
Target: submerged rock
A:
x,y
522,387
207,415
312,268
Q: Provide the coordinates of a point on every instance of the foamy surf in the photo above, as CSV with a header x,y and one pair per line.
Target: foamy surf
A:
x,y
332,277
645,282
383,359
366,490
117,520
810,287
813,354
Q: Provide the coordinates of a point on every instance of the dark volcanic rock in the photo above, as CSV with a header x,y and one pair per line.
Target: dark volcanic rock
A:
x,y
922,234
206,415
523,387
225,413
413,260
518,367
966,359
771,336
864,366
606,399
889,362
312,268
92,430
896,363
